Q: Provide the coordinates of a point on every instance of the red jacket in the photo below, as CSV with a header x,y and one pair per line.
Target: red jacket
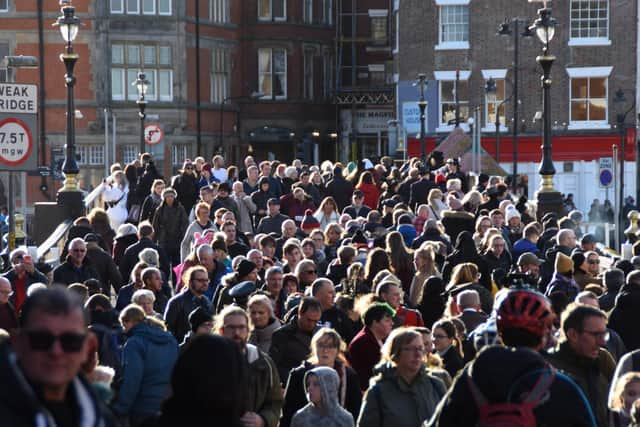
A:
x,y
407,317
371,194
364,354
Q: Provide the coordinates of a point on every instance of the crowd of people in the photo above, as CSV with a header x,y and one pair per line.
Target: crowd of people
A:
x,y
368,294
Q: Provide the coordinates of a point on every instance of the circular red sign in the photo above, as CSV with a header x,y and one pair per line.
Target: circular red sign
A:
x,y
16,142
153,134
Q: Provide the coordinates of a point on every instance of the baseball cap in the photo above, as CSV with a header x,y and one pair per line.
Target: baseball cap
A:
x,y
529,258
273,201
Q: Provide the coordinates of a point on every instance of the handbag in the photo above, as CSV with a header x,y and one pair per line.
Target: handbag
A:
x,y
134,213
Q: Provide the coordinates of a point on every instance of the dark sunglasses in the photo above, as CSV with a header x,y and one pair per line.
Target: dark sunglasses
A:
x,y
43,341
311,271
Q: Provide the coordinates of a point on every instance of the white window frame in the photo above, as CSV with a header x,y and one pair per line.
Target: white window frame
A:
x,y
120,70
272,74
327,12
307,11
179,153
142,12
396,45
328,70
116,10
589,72
152,71
271,17
217,6
169,13
451,45
166,98
448,76
495,74
91,154
6,6
223,75
588,41
137,12
129,153
308,80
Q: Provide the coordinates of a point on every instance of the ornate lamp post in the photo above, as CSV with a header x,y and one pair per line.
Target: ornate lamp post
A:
x,y
141,84
621,118
68,23
549,200
422,105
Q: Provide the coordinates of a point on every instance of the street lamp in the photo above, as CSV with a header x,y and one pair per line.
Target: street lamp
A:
x,y
422,104
549,200
505,30
68,24
254,95
141,84
621,117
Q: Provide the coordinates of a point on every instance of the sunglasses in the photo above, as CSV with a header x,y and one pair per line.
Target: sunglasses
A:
x,y
70,342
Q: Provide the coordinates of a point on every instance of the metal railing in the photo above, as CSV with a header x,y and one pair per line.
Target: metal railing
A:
x,y
57,239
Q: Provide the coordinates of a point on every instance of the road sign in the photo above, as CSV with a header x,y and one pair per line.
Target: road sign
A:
x,y
18,98
16,142
605,174
153,134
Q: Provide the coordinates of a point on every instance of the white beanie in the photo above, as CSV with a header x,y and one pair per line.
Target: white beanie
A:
x,y
512,212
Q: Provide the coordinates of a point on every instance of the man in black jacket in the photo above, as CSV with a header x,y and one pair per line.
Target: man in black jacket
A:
x,y
291,343
77,268
332,317
104,265
357,208
419,190
339,188
272,223
176,316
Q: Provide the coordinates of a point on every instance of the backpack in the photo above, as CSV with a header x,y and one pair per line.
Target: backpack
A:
x,y
111,341
512,414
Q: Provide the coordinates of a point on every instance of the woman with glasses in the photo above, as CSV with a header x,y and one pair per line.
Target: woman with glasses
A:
x,y
403,393
327,350
148,355
448,346
263,321
586,268
496,256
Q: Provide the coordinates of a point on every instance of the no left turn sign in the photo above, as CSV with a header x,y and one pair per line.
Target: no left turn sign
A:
x,y
153,134
16,142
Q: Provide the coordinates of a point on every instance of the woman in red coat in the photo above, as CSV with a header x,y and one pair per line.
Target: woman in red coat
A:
x,y
370,190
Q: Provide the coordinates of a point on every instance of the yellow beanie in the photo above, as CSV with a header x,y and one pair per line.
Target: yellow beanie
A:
x,y
564,264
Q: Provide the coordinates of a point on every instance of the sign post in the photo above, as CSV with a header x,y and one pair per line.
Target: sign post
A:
x,y
18,137
605,174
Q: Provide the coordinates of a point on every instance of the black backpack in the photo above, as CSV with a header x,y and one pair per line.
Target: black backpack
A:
x,y
512,413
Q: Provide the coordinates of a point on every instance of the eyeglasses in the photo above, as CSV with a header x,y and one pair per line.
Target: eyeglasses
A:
x,y
598,334
78,250
232,328
70,342
439,337
311,271
417,350
200,280
594,261
322,347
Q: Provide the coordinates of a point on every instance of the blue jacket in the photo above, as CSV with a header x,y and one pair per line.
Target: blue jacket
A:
x,y
522,246
148,358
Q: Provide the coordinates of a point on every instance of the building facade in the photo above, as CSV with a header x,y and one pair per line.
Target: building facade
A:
x,y
455,43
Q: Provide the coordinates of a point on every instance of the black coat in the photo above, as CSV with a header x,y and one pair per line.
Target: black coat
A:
x,y
419,191
66,274
341,190
290,346
295,396
106,268
176,315
130,258
624,317
455,222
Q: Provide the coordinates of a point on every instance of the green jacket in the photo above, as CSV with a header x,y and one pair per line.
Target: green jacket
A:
x,y
592,375
390,401
265,393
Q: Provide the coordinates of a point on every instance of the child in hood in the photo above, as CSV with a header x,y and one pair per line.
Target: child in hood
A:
x,y
323,409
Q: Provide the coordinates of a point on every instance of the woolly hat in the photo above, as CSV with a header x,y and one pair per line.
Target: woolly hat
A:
x,y
578,259
245,267
126,230
206,167
219,244
309,222
511,212
440,179
199,316
563,263
242,290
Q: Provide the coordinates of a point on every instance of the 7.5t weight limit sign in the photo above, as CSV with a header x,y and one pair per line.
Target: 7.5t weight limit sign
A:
x,y
16,142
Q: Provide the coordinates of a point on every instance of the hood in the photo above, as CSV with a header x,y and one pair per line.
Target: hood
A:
x,y
152,333
628,297
329,383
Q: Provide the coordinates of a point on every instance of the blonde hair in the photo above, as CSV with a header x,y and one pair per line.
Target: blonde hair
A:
x,y
617,401
323,334
260,299
464,273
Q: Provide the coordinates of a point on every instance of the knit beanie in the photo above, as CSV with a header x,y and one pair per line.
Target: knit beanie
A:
x,y
309,222
199,316
245,267
512,212
149,256
169,191
563,264
578,259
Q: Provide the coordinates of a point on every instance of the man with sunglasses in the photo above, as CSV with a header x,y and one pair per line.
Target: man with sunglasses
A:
x,y
41,385
77,268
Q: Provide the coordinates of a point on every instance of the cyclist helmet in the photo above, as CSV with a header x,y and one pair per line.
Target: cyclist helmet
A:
x,y
524,308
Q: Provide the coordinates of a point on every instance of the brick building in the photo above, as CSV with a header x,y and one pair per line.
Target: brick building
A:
x,y
263,85
595,45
